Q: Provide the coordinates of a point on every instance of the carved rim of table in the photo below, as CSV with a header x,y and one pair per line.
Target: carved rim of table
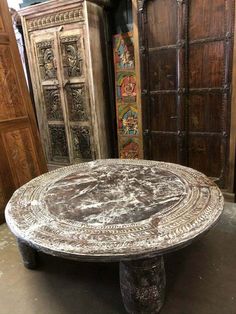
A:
x,y
193,216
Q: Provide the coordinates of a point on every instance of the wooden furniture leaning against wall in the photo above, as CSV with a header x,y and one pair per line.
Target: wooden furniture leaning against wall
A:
x,y
21,154
186,53
66,47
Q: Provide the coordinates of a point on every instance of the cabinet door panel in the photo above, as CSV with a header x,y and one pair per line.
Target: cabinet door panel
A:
x,y
72,51
81,137
46,60
53,104
51,107
58,141
77,102
75,82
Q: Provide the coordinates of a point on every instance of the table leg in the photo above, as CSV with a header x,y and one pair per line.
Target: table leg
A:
x,y
29,255
142,285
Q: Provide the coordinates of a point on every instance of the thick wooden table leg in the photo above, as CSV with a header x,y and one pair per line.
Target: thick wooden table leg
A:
x,y
142,285
29,255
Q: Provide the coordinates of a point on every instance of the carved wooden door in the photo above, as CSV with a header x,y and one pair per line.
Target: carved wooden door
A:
x,y
21,156
186,54
75,91
51,112
64,113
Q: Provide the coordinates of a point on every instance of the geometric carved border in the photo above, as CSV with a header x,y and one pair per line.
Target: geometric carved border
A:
x,y
54,19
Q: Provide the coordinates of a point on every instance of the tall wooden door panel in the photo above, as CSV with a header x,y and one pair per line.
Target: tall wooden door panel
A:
x,y
210,67
21,156
163,44
51,110
74,82
186,55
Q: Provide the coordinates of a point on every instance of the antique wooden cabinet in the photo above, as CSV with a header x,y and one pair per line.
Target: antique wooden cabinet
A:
x,y
186,53
66,47
21,154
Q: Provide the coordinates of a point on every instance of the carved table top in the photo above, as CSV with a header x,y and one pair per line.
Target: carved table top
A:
x,y
114,209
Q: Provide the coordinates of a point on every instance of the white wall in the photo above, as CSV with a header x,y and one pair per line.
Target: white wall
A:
x,y
14,4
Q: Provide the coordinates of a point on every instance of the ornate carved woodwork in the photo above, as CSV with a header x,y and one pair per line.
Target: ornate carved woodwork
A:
x,y
186,56
68,68
21,155
53,103
82,143
58,142
72,56
57,18
46,60
77,103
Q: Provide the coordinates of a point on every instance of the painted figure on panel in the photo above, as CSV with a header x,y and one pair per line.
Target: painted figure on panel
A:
x,y
130,150
126,89
128,120
124,51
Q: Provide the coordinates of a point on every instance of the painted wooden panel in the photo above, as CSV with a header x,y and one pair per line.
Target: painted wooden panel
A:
x,y
127,108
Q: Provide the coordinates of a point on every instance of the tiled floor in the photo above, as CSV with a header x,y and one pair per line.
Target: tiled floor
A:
x,y
201,279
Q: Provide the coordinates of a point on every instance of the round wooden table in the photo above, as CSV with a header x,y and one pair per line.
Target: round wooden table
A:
x,y
132,211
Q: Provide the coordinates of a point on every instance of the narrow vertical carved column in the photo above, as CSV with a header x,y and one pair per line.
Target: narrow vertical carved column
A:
x,y
29,255
143,285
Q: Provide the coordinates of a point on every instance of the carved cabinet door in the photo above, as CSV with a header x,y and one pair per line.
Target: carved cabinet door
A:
x,y
76,95
186,56
64,110
21,155
51,108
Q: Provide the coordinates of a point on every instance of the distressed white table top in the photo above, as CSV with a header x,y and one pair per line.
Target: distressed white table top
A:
x,y
114,209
